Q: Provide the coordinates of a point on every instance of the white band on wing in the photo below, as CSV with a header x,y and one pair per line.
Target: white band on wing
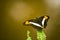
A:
x,y
43,21
36,24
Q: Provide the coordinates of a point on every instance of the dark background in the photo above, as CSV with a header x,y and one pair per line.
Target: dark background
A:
x,y
15,12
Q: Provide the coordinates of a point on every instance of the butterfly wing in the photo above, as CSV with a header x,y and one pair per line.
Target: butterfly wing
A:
x,y
38,22
43,21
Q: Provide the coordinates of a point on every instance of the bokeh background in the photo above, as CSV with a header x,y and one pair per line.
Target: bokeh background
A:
x,y
15,12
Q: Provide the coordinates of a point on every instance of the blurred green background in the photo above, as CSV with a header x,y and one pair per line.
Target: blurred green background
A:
x,y
15,12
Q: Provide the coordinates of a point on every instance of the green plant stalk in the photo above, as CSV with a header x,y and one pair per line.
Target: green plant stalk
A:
x,y
28,37
41,35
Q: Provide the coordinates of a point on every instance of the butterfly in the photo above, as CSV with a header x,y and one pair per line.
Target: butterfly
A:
x,y
40,22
